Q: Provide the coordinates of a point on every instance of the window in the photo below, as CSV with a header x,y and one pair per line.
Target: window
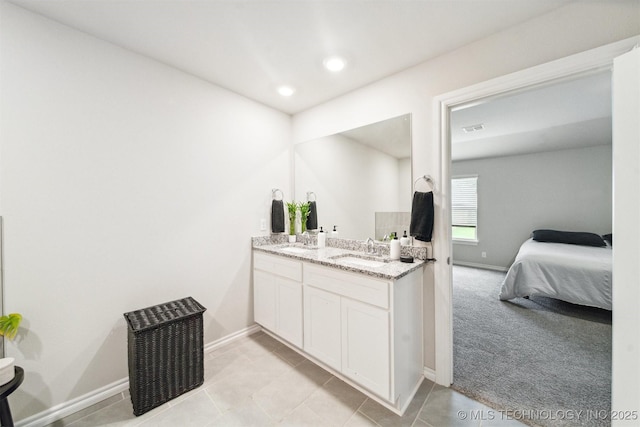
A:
x,y
464,208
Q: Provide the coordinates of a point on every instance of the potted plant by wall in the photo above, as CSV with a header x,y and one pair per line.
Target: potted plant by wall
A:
x,y
8,328
292,207
9,325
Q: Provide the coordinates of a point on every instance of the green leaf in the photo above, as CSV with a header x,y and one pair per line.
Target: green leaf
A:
x,y
9,325
305,209
292,207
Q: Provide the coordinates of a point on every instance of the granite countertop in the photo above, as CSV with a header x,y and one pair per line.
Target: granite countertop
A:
x,y
344,259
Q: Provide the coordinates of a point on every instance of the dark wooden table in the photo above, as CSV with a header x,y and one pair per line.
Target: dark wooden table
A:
x,y
5,390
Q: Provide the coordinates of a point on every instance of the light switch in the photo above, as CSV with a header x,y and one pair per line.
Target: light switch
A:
x,y
263,224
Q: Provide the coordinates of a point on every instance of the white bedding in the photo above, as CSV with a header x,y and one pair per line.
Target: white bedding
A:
x,y
572,273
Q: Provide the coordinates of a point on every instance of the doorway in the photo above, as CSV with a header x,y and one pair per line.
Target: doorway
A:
x,y
596,59
538,159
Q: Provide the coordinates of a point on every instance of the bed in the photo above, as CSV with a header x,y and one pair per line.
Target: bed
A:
x,y
570,272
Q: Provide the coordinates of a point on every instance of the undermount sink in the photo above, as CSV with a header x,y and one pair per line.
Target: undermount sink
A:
x,y
361,261
297,249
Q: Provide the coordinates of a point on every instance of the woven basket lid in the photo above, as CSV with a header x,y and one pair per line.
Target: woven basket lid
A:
x,y
157,315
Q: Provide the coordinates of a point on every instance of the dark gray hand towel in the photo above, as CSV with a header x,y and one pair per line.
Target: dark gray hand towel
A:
x,y
277,216
422,216
312,219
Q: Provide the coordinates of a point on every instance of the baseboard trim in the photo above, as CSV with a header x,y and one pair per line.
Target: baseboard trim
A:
x,y
478,265
74,405
208,348
70,407
430,374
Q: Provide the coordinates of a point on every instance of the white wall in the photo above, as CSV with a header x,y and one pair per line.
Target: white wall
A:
x,y
563,190
565,31
351,182
625,385
124,183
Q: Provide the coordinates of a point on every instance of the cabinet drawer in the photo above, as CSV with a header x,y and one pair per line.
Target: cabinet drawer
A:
x,y
278,265
358,287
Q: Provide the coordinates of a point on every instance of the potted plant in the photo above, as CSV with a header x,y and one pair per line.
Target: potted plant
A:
x,y
8,328
9,325
292,207
305,210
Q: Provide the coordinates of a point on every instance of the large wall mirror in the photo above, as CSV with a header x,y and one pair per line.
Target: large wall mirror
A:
x,y
360,178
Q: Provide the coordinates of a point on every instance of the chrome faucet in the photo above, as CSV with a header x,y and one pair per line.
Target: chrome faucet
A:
x,y
305,238
369,245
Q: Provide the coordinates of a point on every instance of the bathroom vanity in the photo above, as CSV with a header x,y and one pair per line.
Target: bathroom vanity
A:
x,y
358,316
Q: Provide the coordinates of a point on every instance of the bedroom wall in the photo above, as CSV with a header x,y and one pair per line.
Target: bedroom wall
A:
x,y
563,190
124,183
568,30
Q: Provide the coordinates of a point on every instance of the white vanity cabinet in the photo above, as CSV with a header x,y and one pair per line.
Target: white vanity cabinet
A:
x,y
368,329
277,296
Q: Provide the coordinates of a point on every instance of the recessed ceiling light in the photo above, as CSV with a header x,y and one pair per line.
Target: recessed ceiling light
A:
x,y
334,63
286,90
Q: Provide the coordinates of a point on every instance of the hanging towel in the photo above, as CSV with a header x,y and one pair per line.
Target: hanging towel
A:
x,y
422,216
277,216
312,219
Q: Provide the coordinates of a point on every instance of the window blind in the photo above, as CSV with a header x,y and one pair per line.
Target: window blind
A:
x,y
464,202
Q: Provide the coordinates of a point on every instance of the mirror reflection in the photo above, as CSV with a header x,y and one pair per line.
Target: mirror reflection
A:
x,y
360,179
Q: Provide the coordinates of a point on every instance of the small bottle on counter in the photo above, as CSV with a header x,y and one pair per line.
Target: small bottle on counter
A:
x,y
334,233
322,238
405,240
394,247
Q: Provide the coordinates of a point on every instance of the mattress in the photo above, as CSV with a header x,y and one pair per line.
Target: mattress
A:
x,y
572,273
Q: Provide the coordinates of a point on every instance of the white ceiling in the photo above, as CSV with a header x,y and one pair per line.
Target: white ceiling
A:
x,y
562,115
253,46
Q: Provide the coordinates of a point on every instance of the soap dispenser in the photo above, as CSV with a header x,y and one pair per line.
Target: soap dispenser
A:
x,y
322,238
334,233
394,247
405,240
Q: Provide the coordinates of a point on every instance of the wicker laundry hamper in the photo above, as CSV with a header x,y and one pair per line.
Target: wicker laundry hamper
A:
x,y
165,352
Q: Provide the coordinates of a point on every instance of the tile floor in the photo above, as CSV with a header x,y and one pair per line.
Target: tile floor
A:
x,y
258,381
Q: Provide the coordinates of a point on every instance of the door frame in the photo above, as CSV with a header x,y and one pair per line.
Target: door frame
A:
x,y
591,61
625,392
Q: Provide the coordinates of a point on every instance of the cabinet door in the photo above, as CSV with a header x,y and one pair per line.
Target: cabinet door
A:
x,y
264,299
365,346
322,326
289,310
